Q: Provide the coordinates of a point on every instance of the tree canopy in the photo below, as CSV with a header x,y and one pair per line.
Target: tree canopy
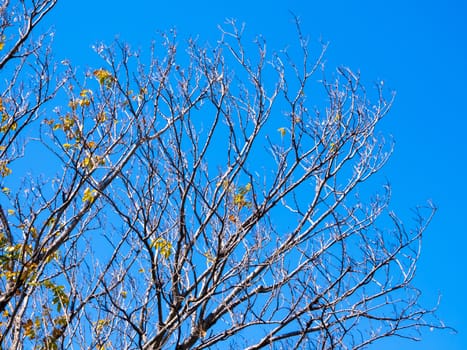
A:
x,y
195,196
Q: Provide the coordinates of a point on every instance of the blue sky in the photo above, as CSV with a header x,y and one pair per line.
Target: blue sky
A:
x,y
419,48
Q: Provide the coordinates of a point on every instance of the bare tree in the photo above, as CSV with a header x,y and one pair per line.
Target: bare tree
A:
x,y
196,198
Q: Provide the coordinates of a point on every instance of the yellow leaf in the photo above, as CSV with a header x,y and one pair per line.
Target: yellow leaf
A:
x,y
6,190
104,77
239,198
89,195
87,163
209,257
92,162
85,93
67,146
29,330
68,122
225,184
101,117
73,104
61,321
100,324
282,131
245,189
11,212
84,102
51,221
4,170
163,246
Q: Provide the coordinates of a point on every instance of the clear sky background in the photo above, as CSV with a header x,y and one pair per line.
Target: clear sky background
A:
x,y
419,48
